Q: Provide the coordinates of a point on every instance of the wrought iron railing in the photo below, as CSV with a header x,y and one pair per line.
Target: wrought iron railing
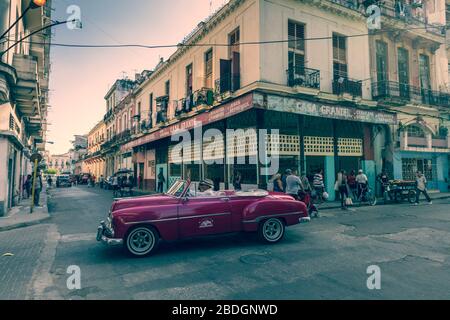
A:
x,y
408,93
304,77
343,85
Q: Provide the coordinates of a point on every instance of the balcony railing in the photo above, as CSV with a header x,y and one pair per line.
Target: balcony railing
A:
x,y
343,85
408,93
351,4
204,96
304,77
228,83
411,14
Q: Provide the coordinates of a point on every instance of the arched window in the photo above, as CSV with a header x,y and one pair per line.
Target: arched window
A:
x,y
415,131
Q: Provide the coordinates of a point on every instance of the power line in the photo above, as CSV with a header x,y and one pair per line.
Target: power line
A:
x,y
186,45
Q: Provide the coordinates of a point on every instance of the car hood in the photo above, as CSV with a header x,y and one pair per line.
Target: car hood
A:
x,y
157,200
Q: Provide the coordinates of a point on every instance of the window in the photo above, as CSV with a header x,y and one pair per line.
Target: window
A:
x,y
167,88
139,110
189,80
381,60
150,111
296,54
233,41
415,131
403,72
410,166
424,71
339,56
208,68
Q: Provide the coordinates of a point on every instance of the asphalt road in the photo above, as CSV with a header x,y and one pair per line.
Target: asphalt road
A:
x,y
326,259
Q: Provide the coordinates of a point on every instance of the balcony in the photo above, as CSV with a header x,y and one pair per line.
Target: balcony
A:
x,y
344,85
228,83
396,11
162,106
204,96
108,115
27,89
397,93
304,77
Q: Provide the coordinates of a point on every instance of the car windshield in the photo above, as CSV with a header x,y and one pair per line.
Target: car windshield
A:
x,y
177,188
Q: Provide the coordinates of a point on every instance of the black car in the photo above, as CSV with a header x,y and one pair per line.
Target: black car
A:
x,y
63,181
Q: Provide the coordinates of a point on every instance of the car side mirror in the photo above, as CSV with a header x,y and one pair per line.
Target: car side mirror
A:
x,y
185,199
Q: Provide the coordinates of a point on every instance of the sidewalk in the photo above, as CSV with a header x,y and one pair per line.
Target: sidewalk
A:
x,y
20,217
337,204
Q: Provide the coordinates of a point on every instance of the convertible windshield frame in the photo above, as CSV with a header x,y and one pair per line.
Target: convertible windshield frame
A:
x,y
178,189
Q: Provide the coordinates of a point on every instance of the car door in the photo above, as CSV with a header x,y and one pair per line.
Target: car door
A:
x,y
199,216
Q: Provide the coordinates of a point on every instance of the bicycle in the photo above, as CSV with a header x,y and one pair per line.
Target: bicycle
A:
x,y
366,196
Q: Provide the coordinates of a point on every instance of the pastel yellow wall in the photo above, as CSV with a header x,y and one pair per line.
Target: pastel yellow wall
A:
x,y
319,53
246,18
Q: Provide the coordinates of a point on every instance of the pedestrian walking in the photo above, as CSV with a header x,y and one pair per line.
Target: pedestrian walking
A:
x,y
287,173
27,186
49,181
37,188
305,182
237,181
293,185
351,181
421,187
161,180
318,184
277,183
341,186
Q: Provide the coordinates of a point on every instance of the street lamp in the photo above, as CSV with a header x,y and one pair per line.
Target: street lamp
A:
x,y
56,23
33,5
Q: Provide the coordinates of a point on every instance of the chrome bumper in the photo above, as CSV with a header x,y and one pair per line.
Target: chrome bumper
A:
x,y
106,235
304,220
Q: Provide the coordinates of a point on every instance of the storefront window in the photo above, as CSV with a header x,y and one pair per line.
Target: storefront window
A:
x,y
410,167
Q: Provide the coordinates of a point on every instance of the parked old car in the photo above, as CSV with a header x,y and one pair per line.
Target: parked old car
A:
x,y
140,223
63,180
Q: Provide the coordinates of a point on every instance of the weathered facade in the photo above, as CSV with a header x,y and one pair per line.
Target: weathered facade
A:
x,y
340,95
24,76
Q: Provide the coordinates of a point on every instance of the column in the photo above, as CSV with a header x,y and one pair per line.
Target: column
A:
x,y
329,174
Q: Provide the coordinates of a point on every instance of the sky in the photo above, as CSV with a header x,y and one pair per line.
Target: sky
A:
x,y
80,77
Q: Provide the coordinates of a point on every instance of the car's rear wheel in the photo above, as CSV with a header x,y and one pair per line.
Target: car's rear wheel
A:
x,y
142,241
271,230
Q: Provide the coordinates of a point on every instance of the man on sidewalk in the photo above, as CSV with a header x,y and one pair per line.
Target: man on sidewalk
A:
x,y
421,187
37,187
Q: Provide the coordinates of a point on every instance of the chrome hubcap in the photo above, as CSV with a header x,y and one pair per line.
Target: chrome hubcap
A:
x,y
273,229
141,240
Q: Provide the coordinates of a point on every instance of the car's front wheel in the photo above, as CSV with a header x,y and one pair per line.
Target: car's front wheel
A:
x,y
142,241
271,230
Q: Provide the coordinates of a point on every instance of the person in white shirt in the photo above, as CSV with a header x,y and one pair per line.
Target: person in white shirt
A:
x,y
361,181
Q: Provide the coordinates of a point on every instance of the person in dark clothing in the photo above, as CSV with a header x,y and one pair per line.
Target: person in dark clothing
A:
x,y
342,188
216,182
27,186
277,183
161,181
37,188
237,181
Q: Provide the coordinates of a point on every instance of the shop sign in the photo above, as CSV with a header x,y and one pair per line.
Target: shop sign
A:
x,y
285,104
232,108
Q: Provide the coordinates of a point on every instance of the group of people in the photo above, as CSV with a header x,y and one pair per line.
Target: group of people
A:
x,y
296,186
291,183
38,186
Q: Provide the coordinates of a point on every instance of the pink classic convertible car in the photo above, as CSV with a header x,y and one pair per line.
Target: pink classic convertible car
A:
x,y
140,223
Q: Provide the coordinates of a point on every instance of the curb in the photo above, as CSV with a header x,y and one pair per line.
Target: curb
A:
x,y
46,216
25,224
382,204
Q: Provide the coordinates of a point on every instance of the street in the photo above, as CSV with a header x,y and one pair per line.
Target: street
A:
x,y
325,259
